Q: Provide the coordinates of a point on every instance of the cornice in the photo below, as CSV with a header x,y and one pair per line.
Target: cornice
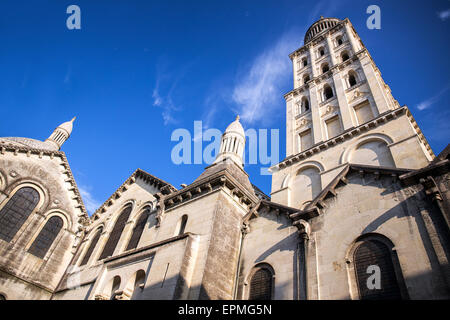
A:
x,y
138,173
346,135
315,207
207,185
83,217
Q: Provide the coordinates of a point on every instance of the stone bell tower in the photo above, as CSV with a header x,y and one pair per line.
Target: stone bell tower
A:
x,y
340,111
215,204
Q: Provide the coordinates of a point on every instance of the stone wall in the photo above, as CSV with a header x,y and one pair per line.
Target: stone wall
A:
x,y
48,174
378,206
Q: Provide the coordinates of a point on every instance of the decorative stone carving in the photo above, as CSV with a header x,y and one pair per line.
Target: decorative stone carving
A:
x,y
123,295
101,296
329,110
357,94
303,123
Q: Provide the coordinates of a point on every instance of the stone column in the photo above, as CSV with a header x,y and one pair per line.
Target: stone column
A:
x,y
342,101
331,50
375,85
295,69
350,36
312,60
290,129
316,126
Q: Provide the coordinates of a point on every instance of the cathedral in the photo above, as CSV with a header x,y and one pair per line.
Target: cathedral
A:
x,y
358,208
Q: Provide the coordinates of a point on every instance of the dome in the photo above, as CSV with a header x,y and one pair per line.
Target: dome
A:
x,y
27,142
320,26
236,127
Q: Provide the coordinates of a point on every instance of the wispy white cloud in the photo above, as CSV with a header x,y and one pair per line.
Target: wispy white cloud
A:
x,y
157,100
429,102
257,94
166,104
166,83
444,15
89,201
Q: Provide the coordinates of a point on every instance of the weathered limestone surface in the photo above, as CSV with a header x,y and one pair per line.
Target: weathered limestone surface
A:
x,y
358,169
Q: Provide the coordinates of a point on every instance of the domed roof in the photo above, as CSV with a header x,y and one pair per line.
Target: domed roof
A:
x,y
236,126
27,142
320,26
68,125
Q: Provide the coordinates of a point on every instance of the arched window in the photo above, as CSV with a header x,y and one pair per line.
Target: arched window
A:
x,y
325,68
321,51
261,285
115,286
46,237
138,284
345,56
305,62
116,233
339,40
375,253
351,78
182,225
138,229
327,92
91,247
306,78
2,297
16,211
305,104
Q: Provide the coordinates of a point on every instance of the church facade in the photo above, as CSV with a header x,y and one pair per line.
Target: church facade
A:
x,y
358,210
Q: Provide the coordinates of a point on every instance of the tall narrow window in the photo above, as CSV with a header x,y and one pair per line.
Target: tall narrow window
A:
x,y
328,92
339,41
138,229
305,62
345,56
138,284
115,286
325,68
16,211
376,253
91,248
182,225
306,78
321,52
261,285
46,237
351,79
116,233
305,105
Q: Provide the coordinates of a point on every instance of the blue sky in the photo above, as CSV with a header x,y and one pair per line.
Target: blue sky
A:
x,y
137,70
